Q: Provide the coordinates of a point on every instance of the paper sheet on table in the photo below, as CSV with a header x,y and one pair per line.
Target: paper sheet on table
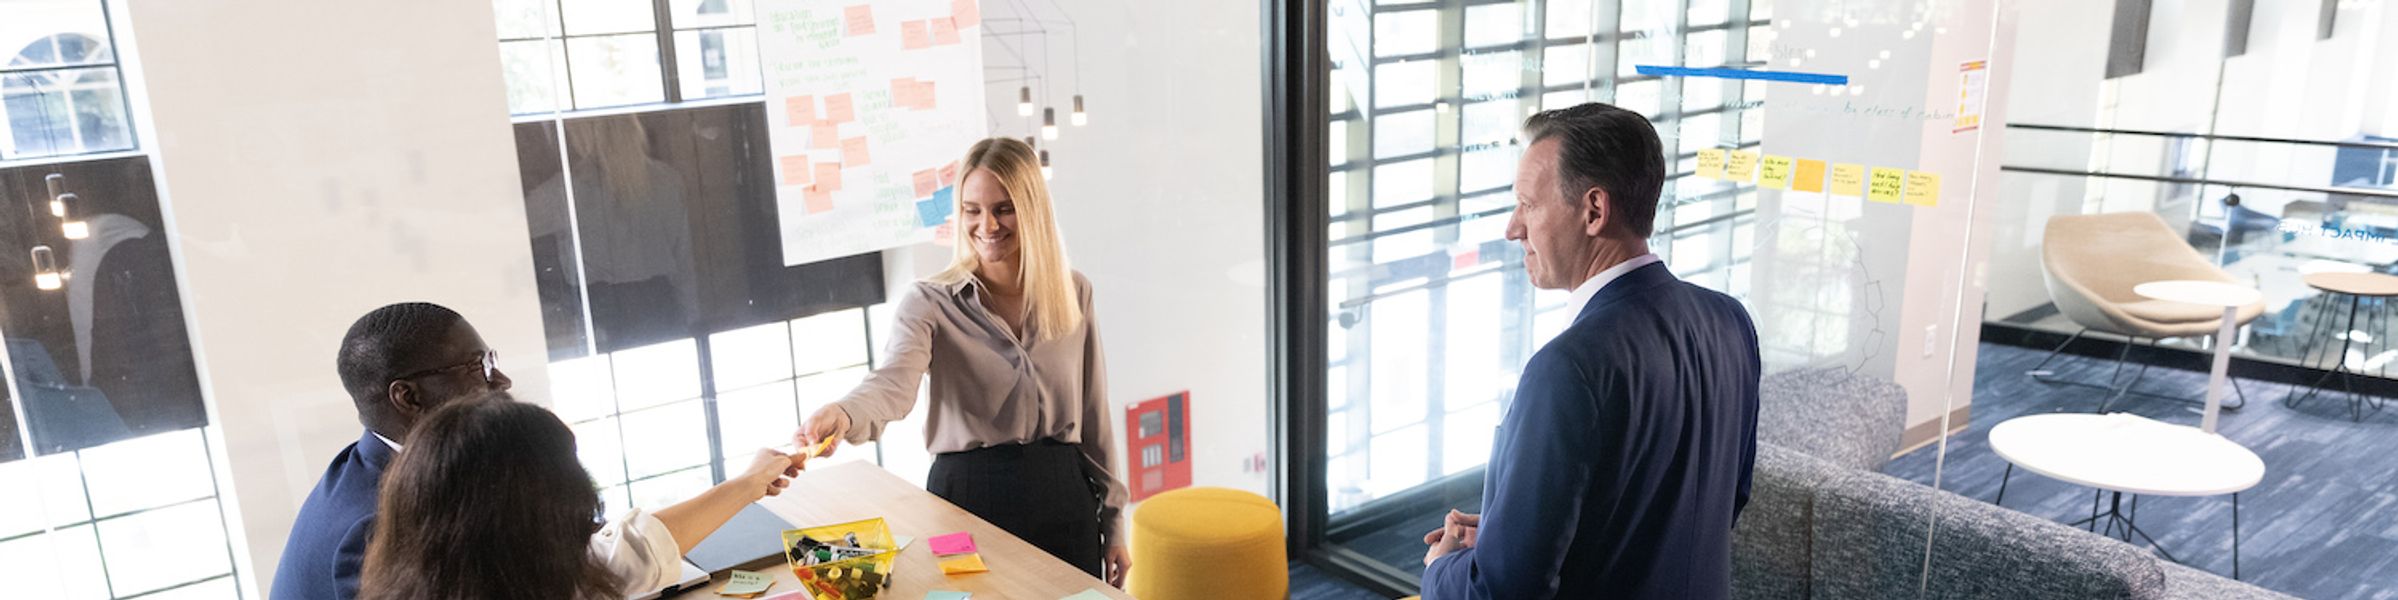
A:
x,y
745,583
946,595
952,543
970,563
1087,594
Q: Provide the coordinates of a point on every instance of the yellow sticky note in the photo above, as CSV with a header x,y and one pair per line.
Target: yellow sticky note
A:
x,y
1848,180
960,565
1742,167
820,446
1774,172
1809,176
1886,184
1923,188
1711,163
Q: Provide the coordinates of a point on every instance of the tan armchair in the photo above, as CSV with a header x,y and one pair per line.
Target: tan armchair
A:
x,y
2092,262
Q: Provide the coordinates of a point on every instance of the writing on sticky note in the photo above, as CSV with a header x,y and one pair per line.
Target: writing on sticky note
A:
x,y
963,564
854,154
1848,180
966,13
828,177
923,97
1742,166
1711,163
745,583
800,110
949,173
944,236
1923,188
945,31
819,200
946,595
840,108
1087,594
930,212
1774,173
926,181
795,170
824,136
1808,176
915,35
953,543
1885,185
859,20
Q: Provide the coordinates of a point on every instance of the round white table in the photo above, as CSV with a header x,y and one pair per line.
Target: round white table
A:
x,y
2230,297
2124,453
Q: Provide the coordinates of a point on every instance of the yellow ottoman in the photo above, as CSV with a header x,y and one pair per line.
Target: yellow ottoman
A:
x,y
1212,543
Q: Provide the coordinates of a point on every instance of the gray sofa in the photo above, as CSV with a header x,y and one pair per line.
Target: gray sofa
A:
x,y
1818,528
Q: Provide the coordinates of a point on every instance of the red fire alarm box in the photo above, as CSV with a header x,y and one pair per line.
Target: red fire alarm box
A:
x,y
1158,444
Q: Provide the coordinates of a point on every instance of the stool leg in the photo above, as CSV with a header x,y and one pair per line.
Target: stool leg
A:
x,y
2002,486
2235,536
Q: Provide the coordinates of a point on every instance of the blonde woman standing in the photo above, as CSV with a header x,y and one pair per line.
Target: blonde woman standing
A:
x,y
1018,410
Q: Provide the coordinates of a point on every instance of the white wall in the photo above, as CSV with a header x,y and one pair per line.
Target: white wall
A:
x,y
317,164
2060,78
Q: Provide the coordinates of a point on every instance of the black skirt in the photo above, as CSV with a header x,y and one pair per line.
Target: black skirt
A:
x,y
1036,491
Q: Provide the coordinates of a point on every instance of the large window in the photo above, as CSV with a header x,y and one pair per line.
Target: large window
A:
x,y
60,89
562,56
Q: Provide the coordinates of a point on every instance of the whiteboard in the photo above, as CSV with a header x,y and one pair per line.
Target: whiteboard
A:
x,y
869,106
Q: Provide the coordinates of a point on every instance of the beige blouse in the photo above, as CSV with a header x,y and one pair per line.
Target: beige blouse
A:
x,y
990,387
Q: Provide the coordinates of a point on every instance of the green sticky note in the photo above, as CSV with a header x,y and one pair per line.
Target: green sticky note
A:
x,y
901,541
945,595
1088,594
742,583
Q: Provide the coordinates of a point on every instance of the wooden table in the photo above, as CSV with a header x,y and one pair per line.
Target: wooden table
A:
x,y
853,491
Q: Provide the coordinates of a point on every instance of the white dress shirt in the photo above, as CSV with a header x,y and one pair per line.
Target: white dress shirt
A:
x,y
639,551
1590,288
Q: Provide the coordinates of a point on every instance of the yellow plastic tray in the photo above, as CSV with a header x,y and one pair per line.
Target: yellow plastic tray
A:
x,y
844,579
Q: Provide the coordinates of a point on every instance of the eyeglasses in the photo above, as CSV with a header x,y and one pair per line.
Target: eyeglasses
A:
x,y
490,361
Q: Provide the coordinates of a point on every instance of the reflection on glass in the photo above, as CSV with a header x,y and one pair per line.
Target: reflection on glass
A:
x,y
718,62
591,17
172,545
615,70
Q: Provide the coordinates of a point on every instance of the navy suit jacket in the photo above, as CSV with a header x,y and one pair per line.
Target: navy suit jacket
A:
x,y
327,548
1624,459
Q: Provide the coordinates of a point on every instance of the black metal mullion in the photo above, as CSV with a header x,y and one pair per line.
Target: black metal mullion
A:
x,y
663,12
717,461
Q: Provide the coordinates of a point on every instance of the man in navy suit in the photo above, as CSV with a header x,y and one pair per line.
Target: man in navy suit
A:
x,y
398,363
1624,458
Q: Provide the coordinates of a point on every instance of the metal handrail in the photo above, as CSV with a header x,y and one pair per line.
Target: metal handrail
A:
x,y
2205,136
2376,193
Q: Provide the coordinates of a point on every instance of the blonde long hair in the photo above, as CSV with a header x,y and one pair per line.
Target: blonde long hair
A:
x,y
1041,259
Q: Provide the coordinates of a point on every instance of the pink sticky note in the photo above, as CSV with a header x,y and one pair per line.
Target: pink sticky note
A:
x,y
795,170
967,13
949,173
860,19
824,136
839,108
913,35
901,90
819,200
800,110
924,96
828,176
945,31
955,543
927,182
853,152
945,235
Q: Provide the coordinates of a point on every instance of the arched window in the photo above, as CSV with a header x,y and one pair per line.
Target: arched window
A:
x,y
62,95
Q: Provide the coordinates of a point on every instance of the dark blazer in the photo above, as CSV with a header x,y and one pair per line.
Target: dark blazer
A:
x,y
1624,459
327,548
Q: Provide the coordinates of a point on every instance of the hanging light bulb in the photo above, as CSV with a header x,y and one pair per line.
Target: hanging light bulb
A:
x,y
1049,124
1045,172
1024,101
45,269
1028,142
1079,118
71,210
58,187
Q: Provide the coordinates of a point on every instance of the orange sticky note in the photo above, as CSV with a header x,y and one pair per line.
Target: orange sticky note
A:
x,y
967,13
853,152
945,31
1808,176
914,35
800,110
945,235
970,563
949,173
927,182
819,201
795,170
840,108
824,136
860,19
828,176
925,96
818,449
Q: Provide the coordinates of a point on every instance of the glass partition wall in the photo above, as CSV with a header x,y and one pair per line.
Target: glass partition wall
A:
x,y
1825,162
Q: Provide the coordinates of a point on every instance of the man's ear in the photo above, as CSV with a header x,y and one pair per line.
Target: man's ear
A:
x,y
1595,211
404,398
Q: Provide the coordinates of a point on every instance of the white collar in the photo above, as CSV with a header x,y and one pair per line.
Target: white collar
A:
x,y
395,446
1590,288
